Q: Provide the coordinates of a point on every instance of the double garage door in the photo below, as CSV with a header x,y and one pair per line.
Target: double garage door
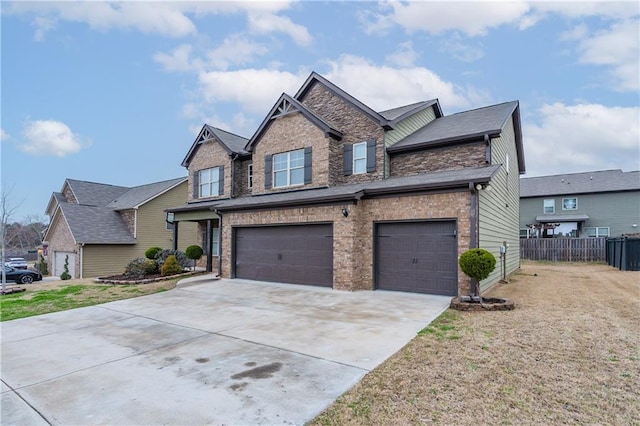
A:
x,y
296,254
409,256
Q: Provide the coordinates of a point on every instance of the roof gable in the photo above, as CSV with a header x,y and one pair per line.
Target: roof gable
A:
x,y
96,225
94,194
287,105
315,78
139,195
580,183
231,142
395,115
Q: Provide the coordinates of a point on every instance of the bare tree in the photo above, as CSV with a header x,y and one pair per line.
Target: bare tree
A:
x,y
6,211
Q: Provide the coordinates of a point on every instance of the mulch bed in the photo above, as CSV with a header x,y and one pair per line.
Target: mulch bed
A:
x,y
124,279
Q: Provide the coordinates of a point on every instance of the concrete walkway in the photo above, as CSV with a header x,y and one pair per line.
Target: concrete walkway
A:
x,y
209,352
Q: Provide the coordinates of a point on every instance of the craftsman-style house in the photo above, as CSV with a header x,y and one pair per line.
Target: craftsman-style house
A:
x,y
329,192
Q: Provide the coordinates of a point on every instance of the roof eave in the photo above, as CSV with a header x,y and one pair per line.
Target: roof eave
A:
x,y
416,110
475,137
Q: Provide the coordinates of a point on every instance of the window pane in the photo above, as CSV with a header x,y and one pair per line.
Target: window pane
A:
x,y
603,232
549,206
205,190
296,159
297,177
569,204
280,179
280,161
360,150
591,232
359,166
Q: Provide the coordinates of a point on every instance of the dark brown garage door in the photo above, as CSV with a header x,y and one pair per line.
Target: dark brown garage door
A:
x,y
417,256
296,254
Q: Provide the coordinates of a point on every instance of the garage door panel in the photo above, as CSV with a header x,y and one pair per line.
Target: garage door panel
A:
x,y
297,254
417,257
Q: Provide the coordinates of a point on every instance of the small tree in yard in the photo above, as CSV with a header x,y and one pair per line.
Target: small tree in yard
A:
x,y
42,266
170,266
478,264
65,272
194,253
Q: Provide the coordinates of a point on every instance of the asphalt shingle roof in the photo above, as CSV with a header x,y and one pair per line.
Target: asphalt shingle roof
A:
x,y
463,125
140,194
580,183
96,225
233,142
94,194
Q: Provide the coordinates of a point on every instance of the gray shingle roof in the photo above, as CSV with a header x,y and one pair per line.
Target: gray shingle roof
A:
x,y
233,142
463,125
580,183
138,195
96,225
94,194
397,114
420,182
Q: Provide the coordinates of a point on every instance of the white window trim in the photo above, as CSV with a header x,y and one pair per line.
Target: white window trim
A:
x,y
214,182
597,228
544,207
570,198
353,166
288,169
249,176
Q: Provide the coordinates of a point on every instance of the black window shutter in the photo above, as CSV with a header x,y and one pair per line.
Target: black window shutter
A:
x,y
371,155
196,184
221,180
267,171
348,159
307,165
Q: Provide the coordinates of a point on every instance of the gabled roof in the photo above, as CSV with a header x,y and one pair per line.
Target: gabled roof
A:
x,y
139,195
94,194
96,225
580,183
449,179
287,105
314,78
466,126
54,201
231,142
398,114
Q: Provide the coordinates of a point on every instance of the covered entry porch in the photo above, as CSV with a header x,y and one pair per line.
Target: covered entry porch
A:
x,y
208,231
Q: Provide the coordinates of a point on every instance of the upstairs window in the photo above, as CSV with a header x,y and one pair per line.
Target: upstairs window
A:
x,y
208,182
549,206
250,176
360,158
570,204
288,168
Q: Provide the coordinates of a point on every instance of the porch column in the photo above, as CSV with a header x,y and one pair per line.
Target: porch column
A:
x,y
175,235
209,242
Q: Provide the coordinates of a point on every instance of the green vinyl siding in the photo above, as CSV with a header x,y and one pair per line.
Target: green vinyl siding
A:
x,y
500,208
150,230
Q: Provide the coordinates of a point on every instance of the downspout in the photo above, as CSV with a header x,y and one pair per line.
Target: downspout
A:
x,y
234,157
219,242
81,260
473,238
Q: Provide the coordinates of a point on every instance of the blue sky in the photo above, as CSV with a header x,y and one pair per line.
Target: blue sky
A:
x,y
116,92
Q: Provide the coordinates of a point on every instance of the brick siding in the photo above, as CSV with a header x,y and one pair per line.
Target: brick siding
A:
x,y
438,159
210,154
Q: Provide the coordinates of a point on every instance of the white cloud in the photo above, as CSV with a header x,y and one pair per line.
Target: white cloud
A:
x,y
619,48
235,50
582,137
4,136
404,56
461,50
266,23
384,87
178,60
471,18
50,137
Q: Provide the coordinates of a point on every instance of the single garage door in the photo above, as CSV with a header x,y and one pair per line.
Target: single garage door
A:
x,y
417,256
59,259
296,254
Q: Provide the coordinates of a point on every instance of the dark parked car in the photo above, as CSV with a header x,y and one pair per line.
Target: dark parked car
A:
x,y
16,262
22,276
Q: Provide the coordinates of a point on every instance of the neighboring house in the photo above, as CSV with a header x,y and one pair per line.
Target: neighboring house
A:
x,y
329,192
591,204
101,228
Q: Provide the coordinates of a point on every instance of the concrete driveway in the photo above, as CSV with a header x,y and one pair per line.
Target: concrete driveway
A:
x,y
208,352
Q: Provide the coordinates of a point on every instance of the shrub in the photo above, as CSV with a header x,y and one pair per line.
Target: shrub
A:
x,y
152,252
194,253
477,263
139,267
42,266
181,258
170,266
65,272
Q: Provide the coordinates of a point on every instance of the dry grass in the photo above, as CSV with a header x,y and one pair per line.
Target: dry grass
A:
x,y
568,353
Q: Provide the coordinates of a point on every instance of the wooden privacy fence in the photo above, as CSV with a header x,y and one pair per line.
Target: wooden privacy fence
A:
x,y
564,249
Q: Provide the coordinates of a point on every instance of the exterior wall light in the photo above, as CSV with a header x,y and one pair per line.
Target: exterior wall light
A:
x,y
345,212
483,186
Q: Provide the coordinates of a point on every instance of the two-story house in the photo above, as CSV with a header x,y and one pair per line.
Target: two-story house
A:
x,y
100,228
580,205
329,192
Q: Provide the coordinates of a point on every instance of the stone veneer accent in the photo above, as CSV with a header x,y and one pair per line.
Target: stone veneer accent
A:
x,y
210,154
356,127
129,217
241,178
353,244
68,195
438,159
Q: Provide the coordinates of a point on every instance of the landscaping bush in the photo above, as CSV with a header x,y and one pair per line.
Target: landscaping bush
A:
x,y
42,266
139,267
181,258
152,252
477,263
65,272
194,253
171,266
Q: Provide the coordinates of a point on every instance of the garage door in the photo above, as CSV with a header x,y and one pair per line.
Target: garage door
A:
x,y
60,257
417,256
296,254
